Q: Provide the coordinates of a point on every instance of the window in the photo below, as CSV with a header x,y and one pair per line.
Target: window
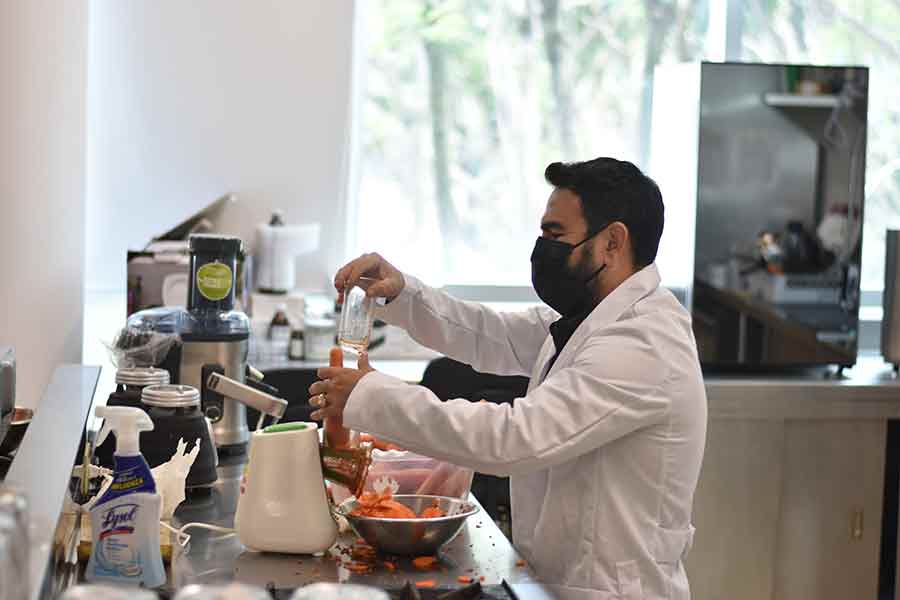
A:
x,y
851,32
464,102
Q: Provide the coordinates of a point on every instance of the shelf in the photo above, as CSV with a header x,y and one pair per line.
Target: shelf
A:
x,y
801,100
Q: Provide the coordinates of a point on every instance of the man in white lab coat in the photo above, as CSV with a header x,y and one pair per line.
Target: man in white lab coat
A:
x,y
604,451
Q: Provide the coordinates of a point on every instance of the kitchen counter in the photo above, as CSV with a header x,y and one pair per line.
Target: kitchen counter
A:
x,y
779,445
479,550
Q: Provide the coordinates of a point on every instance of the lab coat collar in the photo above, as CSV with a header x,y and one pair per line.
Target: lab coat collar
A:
x,y
636,287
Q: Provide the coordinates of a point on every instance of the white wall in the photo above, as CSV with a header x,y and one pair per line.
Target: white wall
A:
x,y
190,100
43,47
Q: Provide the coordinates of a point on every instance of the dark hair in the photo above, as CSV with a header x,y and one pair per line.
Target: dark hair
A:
x,y
615,190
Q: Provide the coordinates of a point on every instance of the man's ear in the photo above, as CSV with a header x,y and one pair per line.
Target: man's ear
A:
x,y
618,236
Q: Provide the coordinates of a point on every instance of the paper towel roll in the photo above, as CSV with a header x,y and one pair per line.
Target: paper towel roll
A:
x,y
277,247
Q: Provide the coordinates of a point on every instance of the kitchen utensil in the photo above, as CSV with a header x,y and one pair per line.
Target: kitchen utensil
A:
x,y
215,336
277,248
282,505
259,400
7,388
411,537
357,316
175,412
21,419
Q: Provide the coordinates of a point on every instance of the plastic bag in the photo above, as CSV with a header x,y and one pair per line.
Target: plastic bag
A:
x,y
140,348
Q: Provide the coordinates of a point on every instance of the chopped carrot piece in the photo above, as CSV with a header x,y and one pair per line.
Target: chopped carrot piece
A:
x,y
481,578
424,562
357,567
390,566
464,579
428,583
520,563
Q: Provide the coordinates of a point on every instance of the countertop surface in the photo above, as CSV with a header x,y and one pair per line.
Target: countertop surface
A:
x,y
42,467
480,550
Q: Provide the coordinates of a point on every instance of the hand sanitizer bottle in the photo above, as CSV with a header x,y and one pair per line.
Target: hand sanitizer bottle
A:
x,y
125,520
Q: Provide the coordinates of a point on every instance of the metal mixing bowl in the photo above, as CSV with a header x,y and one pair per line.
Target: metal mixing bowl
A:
x,y
21,419
411,537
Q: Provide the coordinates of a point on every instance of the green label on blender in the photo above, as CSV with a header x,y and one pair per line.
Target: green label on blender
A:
x,y
214,281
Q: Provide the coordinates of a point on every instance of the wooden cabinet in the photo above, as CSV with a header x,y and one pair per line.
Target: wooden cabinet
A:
x,y
789,509
829,530
736,511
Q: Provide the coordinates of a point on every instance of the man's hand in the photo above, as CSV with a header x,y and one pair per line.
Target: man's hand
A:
x,y
389,281
330,395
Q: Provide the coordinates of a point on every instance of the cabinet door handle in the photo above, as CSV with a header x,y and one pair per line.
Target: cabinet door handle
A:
x,y
856,527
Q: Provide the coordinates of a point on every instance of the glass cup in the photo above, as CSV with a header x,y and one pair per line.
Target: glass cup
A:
x,y
357,316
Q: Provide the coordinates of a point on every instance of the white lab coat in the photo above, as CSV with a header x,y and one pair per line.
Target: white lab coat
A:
x,y
603,452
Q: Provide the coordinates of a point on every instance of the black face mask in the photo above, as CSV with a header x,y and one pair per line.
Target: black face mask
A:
x,y
560,287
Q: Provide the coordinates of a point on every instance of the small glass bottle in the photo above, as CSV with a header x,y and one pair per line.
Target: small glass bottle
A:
x,y
280,334
296,350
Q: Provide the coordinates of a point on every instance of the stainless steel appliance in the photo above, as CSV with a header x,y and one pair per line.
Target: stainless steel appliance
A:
x,y
890,320
199,359
214,338
7,388
762,170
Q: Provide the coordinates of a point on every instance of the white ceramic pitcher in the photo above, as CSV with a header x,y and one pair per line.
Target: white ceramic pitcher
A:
x,y
282,505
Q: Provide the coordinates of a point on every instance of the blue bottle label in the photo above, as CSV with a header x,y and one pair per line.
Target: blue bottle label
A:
x,y
132,475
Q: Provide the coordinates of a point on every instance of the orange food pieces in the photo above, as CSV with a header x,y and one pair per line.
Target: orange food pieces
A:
x,y
428,583
424,562
464,579
433,511
520,563
373,504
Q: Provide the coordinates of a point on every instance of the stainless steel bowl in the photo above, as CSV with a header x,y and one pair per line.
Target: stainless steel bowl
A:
x,y
21,419
411,537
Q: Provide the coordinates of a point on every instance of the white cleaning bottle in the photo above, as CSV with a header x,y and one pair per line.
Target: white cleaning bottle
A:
x,y
125,520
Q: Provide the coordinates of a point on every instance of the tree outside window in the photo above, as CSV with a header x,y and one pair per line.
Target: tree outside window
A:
x,y
464,102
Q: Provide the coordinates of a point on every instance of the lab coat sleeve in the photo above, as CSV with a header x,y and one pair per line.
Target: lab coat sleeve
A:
x,y
491,341
597,400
